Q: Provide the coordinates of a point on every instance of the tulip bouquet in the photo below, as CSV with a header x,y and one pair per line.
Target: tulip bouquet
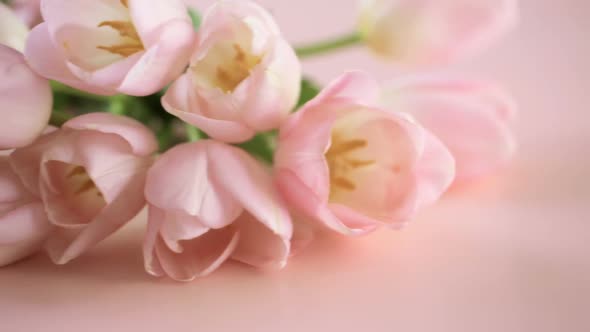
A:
x,y
110,106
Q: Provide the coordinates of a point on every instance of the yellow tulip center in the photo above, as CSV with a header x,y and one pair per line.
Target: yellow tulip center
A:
x,y
130,43
342,163
230,74
79,182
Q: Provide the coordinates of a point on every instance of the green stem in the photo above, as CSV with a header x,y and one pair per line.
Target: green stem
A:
x,y
328,46
193,133
118,105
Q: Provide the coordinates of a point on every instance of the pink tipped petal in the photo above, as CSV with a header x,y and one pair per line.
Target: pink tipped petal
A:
x,y
260,246
25,101
13,32
27,222
203,196
251,184
139,137
200,256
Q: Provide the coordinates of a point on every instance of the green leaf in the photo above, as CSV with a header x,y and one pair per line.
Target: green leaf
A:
x,y
309,90
261,146
195,17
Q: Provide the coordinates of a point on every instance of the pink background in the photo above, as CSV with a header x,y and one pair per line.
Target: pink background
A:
x,y
511,253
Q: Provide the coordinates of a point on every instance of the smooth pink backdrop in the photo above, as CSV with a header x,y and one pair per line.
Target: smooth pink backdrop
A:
x,y
511,253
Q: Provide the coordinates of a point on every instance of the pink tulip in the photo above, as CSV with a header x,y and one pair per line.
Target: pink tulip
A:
x,y
434,31
243,78
353,166
25,101
28,10
90,176
209,202
23,222
13,32
471,118
134,47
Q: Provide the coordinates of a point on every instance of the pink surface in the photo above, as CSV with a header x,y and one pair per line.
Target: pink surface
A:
x,y
511,253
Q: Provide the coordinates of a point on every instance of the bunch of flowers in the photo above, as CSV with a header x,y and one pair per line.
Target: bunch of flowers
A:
x,y
109,106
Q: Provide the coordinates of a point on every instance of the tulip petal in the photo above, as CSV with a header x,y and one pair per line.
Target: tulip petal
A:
x,y
177,101
470,118
116,214
298,194
26,161
49,62
251,184
13,32
260,246
162,62
150,15
25,101
26,223
200,256
203,196
140,138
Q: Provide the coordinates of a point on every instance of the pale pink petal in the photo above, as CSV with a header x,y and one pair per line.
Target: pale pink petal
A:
x,y
164,61
177,101
260,246
435,171
26,161
222,12
250,183
280,78
26,222
13,32
200,256
297,194
434,31
25,101
149,16
471,119
182,180
28,10
116,214
49,62
139,137
355,87
151,262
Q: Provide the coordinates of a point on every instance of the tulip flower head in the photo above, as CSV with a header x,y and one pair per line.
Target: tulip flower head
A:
x,y
228,209
90,175
353,166
243,78
105,47
434,31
